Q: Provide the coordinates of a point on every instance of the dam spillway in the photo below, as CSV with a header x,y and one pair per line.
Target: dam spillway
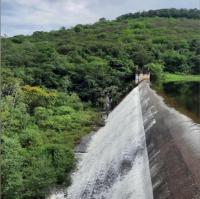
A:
x,y
145,150
115,165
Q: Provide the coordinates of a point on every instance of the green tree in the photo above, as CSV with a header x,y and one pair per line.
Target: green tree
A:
x,y
156,70
11,163
174,61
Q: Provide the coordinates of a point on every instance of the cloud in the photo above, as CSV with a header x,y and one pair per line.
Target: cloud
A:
x,y
26,16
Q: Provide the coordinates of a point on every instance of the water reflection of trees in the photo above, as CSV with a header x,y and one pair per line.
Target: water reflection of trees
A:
x,y
187,94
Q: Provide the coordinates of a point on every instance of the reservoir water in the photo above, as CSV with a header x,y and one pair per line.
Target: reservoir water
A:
x,y
183,96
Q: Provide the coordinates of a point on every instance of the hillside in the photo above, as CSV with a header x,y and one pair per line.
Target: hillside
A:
x,y
54,85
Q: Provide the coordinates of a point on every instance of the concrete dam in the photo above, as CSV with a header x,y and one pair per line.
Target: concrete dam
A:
x,y
145,150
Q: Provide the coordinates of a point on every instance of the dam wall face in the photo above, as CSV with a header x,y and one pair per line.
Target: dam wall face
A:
x,y
145,150
173,144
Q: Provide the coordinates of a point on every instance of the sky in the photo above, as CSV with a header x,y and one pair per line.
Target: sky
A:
x,y
27,16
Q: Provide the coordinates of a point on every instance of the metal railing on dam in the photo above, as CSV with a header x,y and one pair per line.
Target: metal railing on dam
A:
x,y
139,77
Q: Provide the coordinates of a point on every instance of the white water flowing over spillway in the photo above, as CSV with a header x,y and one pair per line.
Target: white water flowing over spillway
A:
x,y
115,165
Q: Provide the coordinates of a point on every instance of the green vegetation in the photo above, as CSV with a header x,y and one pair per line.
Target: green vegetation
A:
x,y
156,71
55,83
175,13
40,128
168,77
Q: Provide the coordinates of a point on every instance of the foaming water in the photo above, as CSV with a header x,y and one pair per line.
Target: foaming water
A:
x,y
115,165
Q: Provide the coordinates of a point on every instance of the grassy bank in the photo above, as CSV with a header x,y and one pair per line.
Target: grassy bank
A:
x,y
168,77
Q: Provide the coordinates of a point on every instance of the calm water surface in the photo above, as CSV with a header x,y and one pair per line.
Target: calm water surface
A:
x,y
184,96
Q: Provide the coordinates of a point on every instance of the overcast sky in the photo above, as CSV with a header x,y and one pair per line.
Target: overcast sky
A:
x,y
27,16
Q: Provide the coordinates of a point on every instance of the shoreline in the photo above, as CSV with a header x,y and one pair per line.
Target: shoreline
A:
x,y
171,77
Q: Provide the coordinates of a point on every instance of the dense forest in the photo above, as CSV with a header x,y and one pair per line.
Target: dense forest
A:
x,y
54,86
